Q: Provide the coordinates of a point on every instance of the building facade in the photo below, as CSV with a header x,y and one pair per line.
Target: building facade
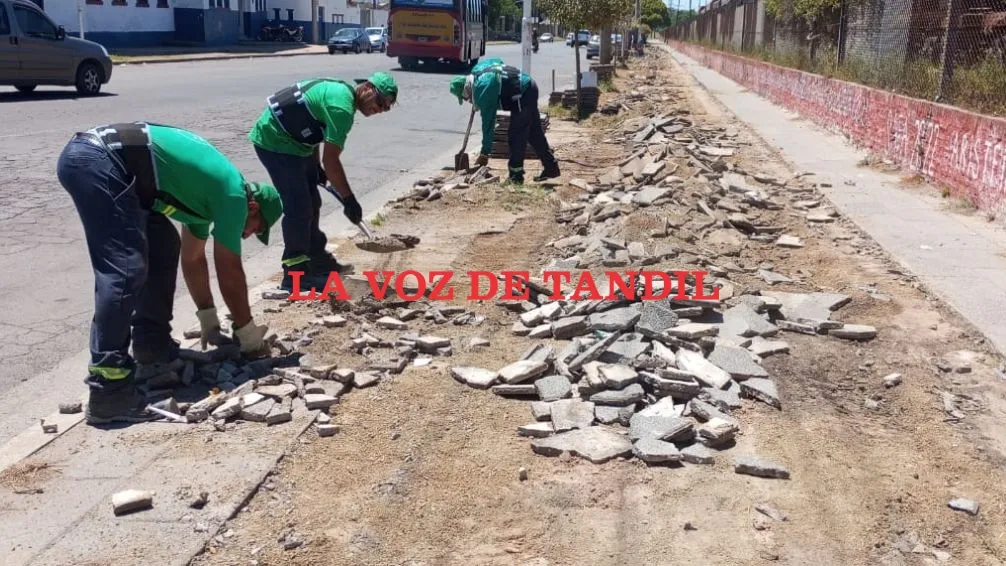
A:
x,y
147,23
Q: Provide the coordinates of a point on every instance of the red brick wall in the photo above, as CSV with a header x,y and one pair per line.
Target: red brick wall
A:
x,y
961,150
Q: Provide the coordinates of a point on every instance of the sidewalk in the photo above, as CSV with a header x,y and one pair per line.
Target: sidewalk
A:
x,y
238,51
957,257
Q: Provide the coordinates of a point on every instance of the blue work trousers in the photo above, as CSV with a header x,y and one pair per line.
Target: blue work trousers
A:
x,y
525,127
134,253
296,180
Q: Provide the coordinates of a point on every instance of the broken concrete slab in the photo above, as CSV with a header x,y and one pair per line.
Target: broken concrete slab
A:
x,y
788,241
282,412
536,430
813,306
703,370
654,451
541,410
593,352
743,321
718,431
553,388
569,414
364,379
617,376
430,344
761,389
855,332
614,319
649,196
736,361
131,500
672,382
723,399
663,408
656,317
596,444
967,505
315,401
605,414
70,408
257,412
764,348
478,378
693,331
278,391
519,390
753,466
630,395
521,371
391,323
569,327
698,454
659,427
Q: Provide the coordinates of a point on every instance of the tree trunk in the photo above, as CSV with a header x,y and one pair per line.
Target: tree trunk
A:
x,y
576,50
604,53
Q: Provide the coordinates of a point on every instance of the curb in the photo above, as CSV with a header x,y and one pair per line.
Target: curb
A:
x,y
216,58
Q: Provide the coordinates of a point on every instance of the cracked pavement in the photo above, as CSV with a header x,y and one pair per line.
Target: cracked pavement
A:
x,y
46,296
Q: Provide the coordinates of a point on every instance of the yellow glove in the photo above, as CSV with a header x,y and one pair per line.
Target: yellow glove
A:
x,y
251,336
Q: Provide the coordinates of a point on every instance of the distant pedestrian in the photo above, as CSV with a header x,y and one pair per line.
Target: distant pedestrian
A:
x,y
493,85
127,180
288,138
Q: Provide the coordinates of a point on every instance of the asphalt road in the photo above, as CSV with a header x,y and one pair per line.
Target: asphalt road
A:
x,y
46,290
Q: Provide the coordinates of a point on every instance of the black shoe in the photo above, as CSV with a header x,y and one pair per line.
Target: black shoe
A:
x,y
548,173
116,402
309,278
327,263
517,180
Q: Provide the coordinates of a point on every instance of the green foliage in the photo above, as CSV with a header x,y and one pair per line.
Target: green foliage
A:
x,y
590,14
809,10
500,8
654,13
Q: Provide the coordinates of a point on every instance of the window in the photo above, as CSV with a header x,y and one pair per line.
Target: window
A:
x,y
338,18
4,22
142,3
162,3
33,23
289,14
276,11
321,13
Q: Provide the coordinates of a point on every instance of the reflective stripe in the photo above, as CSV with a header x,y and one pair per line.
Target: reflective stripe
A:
x,y
169,210
111,374
516,169
295,260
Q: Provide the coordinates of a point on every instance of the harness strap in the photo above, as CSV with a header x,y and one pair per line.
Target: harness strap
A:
x,y
290,109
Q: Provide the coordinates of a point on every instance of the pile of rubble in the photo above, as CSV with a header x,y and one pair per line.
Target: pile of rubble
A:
x,y
589,98
501,145
433,188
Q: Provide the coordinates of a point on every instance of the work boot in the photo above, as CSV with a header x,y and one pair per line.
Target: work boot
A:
x,y
112,401
310,278
326,263
549,173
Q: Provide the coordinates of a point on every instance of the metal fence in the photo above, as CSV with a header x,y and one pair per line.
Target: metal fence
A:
x,y
952,51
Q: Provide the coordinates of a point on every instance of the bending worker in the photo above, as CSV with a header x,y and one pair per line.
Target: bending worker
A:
x,y
493,85
126,180
288,136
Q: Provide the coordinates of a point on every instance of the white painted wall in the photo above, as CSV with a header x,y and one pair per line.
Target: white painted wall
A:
x,y
302,11
114,18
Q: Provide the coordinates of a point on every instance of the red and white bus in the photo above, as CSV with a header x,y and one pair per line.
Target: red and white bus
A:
x,y
423,33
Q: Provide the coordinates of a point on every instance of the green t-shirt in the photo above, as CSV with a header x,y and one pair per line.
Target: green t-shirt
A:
x,y
202,179
486,91
332,102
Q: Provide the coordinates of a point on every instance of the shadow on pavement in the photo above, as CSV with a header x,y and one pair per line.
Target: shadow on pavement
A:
x,y
243,47
50,95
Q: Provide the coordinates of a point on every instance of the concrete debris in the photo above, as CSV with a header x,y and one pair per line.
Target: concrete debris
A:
x,y
70,408
596,444
698,454
478,378
326,430
131,500
619,397
536,430
738,362
653,451
703,370
659,427
858,332
763,390
521,371
753,466
365,379
569,414
553,388
966,505
892,380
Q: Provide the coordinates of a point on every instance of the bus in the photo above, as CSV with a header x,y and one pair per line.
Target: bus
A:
x,y
425,33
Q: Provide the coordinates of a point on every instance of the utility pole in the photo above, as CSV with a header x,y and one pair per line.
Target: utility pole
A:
x,y
314,22
80,17
525,63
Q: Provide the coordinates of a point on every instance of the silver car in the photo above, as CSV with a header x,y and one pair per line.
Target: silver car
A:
x,y
34,51
377,39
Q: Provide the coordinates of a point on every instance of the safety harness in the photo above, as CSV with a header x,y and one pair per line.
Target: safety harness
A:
x,y
510,86
289,107
130,145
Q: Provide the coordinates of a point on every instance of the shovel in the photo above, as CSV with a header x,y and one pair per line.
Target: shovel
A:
x,y
461,162
361,225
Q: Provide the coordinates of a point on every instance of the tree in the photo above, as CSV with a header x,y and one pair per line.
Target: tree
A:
x,y
589,14
502,8
655,14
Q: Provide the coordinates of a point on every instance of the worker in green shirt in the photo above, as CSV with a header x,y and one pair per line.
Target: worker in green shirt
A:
x,y
288,137
126,181
492,85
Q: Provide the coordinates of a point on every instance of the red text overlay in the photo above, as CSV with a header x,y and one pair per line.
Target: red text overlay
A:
x,y
412,285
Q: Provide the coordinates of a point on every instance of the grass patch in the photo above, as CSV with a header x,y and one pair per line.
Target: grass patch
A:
x,y
607,85
378,220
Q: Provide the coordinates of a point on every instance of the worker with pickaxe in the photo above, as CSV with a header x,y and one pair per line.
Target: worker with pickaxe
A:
x,y
127,180
493,85
288,138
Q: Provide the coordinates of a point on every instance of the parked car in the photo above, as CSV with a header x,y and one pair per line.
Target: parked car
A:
x,y
35,51
546,38
583,36
569,39
378,39
593,46
350,39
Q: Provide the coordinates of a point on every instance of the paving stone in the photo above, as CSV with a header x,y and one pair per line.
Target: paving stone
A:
x,y
430,344
334,321
703,370
568,327
521,371
620,397
228,409
257,412
593,352
520,390
131,500
326,430
772,277
697,454
391,323
650,195
70,408
761,389
662,352
539,353
614,319
625,414
753,466
519,329
661,428
764,348
723,399
653,451
342,375
605,414
637,251
282,412
541,331
706,412
626,350
968,506
744,321
738,362
655,318
536,430
663,408
278,391
553,388
693,330
854,332
617,376
816,306
365,379
787,241
718,432
671,382
596,444
569,414
315,401
541,410
478,378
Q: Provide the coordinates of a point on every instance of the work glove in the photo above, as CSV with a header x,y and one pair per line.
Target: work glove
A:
x,y
351,209
209,328
483,160
251,337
